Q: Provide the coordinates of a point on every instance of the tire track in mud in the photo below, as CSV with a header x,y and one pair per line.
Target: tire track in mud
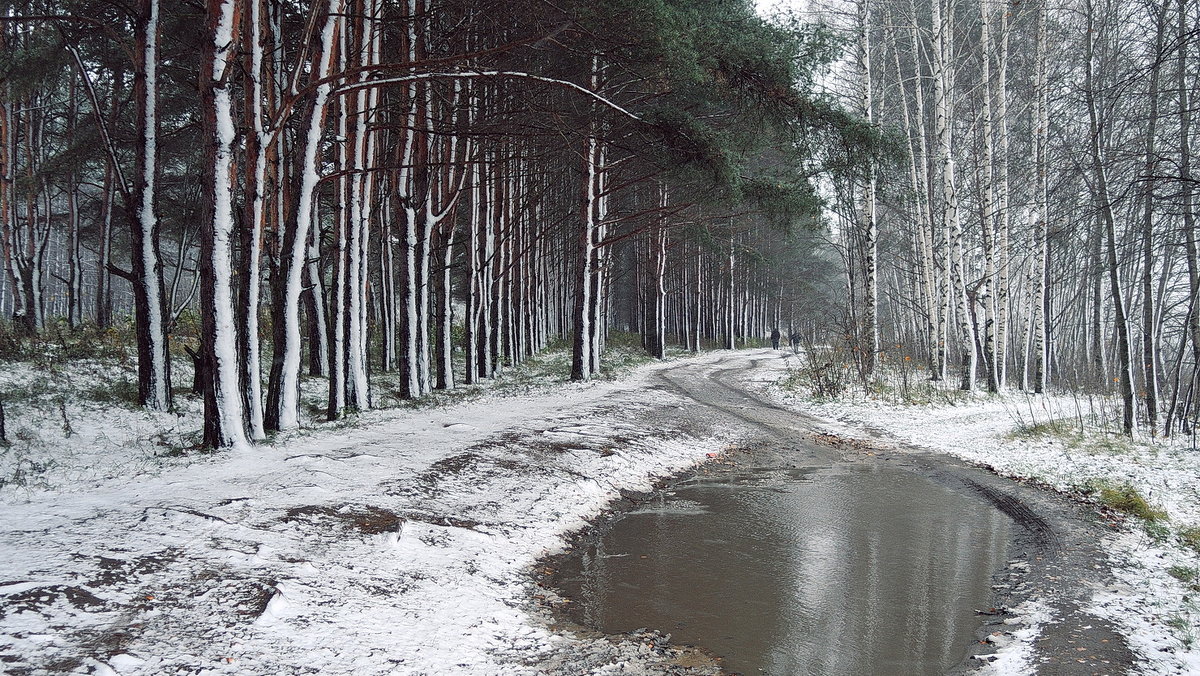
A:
x,y
738,403
1042,532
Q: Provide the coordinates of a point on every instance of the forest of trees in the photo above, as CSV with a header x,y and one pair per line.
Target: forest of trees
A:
x,y
1001,191
1041,228
326,184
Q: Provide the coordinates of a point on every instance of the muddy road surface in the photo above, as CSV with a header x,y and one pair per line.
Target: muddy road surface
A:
x,y
804,551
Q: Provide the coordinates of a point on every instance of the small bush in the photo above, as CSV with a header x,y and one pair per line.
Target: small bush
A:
x,y
619,366
827,371
627,339
12,344
59,343
792,381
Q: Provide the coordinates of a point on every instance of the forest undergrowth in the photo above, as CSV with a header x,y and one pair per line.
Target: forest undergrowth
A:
x,y
71,412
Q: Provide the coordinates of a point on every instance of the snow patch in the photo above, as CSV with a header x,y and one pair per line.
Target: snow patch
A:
x,y
1014,654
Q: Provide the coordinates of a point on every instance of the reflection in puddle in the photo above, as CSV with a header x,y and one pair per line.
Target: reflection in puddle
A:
x,y
854,569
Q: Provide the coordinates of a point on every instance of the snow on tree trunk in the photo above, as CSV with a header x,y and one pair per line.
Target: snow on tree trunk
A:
x,y
471,243
74,259
445,343
387,283
150,309
581,348
7,184
224,418
313,299
343,222
730,295
283,396
363,194
658,268
256,148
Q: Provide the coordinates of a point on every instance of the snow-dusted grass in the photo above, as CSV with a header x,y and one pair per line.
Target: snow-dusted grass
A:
x,y
1069,443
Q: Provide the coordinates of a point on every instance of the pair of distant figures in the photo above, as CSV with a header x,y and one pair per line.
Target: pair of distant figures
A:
x,y
793,339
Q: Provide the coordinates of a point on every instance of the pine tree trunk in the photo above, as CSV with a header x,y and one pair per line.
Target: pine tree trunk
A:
x,y
283,393
256,147
315,308
581,348
150,309
74,260
103,251
224,417
445,319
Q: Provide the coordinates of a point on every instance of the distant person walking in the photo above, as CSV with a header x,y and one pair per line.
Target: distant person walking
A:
x,y
775,335
794,339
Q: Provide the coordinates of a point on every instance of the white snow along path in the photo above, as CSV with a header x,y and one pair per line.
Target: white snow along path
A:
x,y
402,548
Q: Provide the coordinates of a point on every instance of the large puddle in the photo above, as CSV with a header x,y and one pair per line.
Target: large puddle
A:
x,y
859,568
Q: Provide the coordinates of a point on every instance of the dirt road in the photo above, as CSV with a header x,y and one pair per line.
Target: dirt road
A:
x,y
1055,555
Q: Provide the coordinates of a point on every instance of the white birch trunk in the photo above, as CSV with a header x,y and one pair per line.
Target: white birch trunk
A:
x,y
943,88
870,329
1002,291
988,202
1040,207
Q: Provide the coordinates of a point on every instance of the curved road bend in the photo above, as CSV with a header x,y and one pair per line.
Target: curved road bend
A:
x,y
1056,538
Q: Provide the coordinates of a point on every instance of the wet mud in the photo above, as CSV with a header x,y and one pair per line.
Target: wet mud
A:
x,y
820,554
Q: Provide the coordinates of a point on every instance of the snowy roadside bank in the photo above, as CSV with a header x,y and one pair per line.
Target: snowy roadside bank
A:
x,y
398,547
1155,598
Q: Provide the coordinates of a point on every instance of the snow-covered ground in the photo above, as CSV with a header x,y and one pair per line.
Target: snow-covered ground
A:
x,y
401,543
1039,438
